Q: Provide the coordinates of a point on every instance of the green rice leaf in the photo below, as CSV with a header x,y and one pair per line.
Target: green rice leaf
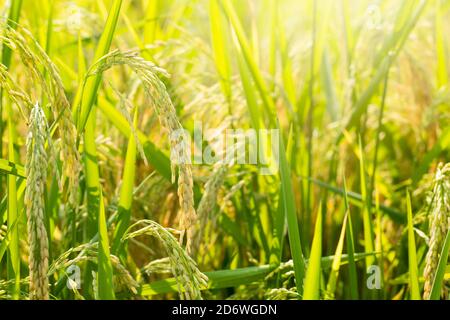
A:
x,y
412,254
313,271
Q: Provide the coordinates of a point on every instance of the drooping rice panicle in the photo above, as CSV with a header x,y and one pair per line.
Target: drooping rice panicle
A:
x,y
35,60
282,294
88,252
20,97
190,280
179,143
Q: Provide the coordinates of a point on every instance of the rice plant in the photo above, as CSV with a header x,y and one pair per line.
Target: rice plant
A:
x,y
224,149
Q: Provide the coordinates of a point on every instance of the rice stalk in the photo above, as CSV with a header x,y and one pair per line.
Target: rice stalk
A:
x,y
439,224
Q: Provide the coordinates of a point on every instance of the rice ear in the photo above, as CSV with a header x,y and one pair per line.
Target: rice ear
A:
x,y
190,280
156,91
439,225
36,167
35,59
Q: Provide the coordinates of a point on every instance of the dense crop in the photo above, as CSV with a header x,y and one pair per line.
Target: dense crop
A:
x,y
224,149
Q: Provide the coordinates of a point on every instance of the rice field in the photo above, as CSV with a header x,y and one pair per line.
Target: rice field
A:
x,y
225,149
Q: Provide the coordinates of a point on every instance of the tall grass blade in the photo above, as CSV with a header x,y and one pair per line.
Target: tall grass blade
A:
x,y
442,71
219,41
13,214
252,65
350,241
369,245
126,192
412,253
96,211
290,212
93,83
332,280
313,272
